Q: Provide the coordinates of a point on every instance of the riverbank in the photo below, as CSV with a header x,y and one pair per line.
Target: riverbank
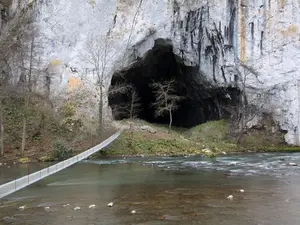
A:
x,y
209,139
141,139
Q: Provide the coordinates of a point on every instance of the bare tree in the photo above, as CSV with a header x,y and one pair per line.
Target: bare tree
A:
x,y
27,90
30,61
98,55
135,105
166,99
131,107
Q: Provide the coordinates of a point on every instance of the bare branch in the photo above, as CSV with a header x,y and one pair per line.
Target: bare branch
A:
x,y
119,88
166,98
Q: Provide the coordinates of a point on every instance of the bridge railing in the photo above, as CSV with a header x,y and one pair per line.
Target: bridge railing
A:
x,y
27,180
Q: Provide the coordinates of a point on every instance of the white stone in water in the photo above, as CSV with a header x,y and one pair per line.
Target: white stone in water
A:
x,y
292,164
242,190
230,197
22,207
66,205
133,212
111,204
47,208
77,208
92,206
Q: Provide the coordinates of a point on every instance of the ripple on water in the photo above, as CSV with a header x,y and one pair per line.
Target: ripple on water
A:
x,y
247,164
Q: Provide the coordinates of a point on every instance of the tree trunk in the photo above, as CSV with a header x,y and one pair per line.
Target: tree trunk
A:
x,y
171,120
24,124
1,131
28,89
101,110
30,64
131,106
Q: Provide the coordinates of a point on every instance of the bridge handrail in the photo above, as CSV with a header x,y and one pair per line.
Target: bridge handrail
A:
x,y
15,185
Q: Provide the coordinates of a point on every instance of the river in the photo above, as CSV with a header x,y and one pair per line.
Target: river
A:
x,y
161,190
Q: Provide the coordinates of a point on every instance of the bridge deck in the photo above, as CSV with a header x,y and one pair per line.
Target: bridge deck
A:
x,y
27,180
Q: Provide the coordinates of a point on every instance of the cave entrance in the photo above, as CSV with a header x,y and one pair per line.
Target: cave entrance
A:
x,y
201,102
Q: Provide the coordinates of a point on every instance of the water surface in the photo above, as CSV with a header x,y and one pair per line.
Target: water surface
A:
x,y
162,190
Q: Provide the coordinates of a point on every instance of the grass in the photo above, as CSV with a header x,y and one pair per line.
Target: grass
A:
x,y
213,135
210,139
137,143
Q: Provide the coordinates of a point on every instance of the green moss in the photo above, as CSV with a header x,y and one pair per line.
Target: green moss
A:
x,y
47,158
24,160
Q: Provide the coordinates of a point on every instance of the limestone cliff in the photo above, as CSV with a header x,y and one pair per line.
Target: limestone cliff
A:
x,y
256,40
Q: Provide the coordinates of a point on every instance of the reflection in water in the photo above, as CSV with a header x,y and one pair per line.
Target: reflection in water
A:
x,y
164,190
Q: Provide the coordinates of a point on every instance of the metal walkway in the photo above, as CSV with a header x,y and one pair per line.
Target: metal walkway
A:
x,y
27,180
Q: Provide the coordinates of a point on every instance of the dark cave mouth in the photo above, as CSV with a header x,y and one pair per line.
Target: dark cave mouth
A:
x,y
200,101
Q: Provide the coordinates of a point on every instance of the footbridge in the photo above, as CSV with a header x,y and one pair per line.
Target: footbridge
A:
x,y
15,185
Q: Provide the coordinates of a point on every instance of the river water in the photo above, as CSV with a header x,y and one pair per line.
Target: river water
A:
x,y
162,190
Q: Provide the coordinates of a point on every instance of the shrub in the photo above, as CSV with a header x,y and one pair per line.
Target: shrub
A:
x,y
60,151
68,109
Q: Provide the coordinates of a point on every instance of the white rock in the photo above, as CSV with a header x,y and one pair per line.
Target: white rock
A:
x,y
92,206
0,164
206,150
22,207
47,208
242,190
149,129
133,212
66,205
224,153
292,164
111,204
230,197
77,208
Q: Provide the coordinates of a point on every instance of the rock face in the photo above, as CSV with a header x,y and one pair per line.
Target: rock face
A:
x,y
257,40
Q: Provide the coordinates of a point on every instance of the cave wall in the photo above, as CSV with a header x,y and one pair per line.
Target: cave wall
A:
x,y
221,37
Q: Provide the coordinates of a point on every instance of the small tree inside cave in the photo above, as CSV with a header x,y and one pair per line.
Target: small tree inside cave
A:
x,y
131,107
166,99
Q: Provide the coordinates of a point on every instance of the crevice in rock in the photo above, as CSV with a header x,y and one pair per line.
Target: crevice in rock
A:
x,y
202,100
